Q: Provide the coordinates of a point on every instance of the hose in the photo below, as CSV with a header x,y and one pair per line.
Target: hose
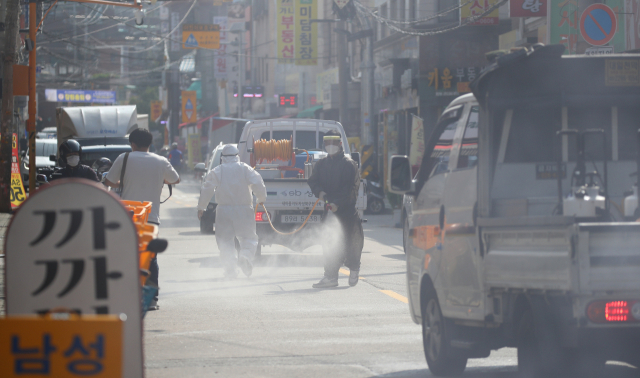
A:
x,y
270,150
293,232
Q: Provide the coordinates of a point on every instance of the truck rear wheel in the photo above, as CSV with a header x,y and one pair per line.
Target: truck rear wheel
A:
x,y
442,359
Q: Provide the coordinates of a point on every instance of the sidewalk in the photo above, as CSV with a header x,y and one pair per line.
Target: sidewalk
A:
x,y
4,222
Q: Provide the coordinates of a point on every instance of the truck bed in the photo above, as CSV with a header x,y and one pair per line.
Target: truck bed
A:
x,y
553,253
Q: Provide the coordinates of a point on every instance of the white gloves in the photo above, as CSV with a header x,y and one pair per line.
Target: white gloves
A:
x,y
321,196
333,207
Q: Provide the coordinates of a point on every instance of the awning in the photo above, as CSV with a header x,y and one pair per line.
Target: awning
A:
x,y
188,63
309,112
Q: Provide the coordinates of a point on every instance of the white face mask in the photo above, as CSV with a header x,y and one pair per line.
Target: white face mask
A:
x,y
332,149
73,160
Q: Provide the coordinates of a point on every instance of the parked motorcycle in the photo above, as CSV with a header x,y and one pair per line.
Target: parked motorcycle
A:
x,y
375,195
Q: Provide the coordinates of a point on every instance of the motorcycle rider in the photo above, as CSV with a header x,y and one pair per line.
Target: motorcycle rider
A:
x,y
102,166
70,154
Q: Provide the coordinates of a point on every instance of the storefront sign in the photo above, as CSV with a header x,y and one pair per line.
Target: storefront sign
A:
x,y
451,81
90,346
67,95
220,55
156,110
78,252
477,7
527,8
306,51
285,31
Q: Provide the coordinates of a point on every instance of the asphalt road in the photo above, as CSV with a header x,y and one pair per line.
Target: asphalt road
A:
x,y
274,324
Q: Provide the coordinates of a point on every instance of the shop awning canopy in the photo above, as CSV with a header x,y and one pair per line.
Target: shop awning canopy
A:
x,y
309,113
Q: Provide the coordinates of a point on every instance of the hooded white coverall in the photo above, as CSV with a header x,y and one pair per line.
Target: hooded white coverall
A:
x,y
232,183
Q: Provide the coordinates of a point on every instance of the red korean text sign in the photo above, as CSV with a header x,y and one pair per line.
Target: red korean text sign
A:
x,y
527,8
87,346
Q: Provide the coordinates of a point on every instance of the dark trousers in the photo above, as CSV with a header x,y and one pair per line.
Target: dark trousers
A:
x,y
154,270
342,241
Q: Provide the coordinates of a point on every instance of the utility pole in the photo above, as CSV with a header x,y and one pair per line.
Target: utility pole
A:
x,y
31,122
343,73
9,59
367,86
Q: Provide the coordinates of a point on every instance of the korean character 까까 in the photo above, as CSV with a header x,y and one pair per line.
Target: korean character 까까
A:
x,y
85,360
32,359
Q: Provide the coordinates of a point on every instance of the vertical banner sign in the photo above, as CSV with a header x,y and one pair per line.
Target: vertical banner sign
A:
x,y
156,110
417,141
175,36
220,55
189,107
78,252
193,149
285,30
16,193
527,8
477,7
306,51
563,24
45,347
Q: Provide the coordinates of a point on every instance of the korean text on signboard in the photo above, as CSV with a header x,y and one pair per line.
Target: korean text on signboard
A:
x,y
451,81
288,100
16,191
528,8
66,95
44,347
306,36
220,55
286,32
478,7
200,35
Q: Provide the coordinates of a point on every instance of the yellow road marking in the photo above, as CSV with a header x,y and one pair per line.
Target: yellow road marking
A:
x,y
390,293
344,271
395,295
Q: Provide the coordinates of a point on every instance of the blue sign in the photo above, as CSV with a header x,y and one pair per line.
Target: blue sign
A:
x,y
191,41
598,24
67,95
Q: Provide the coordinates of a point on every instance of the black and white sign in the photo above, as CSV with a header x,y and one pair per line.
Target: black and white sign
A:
x,y
73,245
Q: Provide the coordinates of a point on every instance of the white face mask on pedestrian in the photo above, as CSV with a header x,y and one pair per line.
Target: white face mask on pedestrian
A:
x,y
332,149
73,160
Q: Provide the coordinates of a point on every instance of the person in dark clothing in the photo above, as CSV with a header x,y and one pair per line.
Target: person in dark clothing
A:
x,y
335,180
175,157
70,154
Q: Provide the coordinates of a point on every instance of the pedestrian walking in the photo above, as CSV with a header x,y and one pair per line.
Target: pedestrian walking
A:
x,y
335,180
140,176
232,182
70,156
175,157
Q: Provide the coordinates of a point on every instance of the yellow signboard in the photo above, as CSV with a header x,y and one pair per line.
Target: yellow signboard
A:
x,y
477,7
16,194
32,346
193,148
306,32
285,31
200,36
189,106
156,110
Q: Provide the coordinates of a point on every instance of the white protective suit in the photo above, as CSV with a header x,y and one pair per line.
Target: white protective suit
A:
x,y
232,183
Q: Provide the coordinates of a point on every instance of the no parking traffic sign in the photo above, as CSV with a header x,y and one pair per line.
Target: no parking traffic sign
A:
x,y
598,24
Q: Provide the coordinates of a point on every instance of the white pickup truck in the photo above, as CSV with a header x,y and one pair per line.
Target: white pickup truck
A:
x,y
522,228
289,198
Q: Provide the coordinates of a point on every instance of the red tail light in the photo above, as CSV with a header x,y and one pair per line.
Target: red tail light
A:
x,y
614,311
261,216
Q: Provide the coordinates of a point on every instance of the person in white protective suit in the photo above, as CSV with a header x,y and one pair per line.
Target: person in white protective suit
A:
x,y
232,182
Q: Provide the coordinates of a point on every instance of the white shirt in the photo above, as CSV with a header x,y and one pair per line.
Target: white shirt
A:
x,y
143,178
232,182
